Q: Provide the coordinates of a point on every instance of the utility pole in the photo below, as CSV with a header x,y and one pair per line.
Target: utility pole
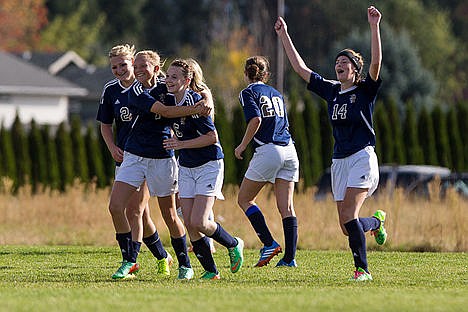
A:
x,y
279,53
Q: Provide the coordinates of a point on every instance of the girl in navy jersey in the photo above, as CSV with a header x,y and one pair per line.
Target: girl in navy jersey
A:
x,y
274,161
201,172
354,169
114,108
145,159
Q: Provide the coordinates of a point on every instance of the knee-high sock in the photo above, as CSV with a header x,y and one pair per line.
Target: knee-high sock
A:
x,y
180,249
125,241
154,244
223,237
290,238
258,222
357,243
369,224
134,251
202,251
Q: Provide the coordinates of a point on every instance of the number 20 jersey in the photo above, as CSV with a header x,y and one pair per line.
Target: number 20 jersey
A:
x,y
264,101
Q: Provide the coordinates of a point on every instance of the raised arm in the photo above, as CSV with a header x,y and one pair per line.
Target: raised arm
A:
x,y
374,16
295,59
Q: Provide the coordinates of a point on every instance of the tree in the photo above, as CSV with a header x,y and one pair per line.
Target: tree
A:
x,y
226,137
399,156
326,134
455,141
73,32
21,151
312,126
52,162
384,135
21,22
426,134
80,158
8,154
439,118
414,153
65,156
95,160
38,157
298,132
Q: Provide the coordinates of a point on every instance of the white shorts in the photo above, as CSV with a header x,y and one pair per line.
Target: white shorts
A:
x,y
271,162
205,180
160,174
359,170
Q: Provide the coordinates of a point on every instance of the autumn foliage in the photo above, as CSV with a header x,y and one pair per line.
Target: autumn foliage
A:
x,y
22,21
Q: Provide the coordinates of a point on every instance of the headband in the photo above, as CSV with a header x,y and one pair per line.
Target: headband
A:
x,y
351,57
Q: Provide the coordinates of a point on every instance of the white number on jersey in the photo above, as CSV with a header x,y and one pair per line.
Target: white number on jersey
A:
x,y
337,110
270,107
177,131
125,114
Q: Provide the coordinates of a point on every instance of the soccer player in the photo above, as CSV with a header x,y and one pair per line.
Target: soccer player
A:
x,y
274,161
114,108
201,172
146,159
354,169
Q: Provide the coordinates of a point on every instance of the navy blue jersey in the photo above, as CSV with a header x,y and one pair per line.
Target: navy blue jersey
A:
x,y
149,130
264,101
114,108
191,127
350,112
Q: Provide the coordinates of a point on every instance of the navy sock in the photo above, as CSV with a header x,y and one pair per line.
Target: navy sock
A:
x,y
202,251
290,238
154,244
180,249
223,237
258,222
124,240
357,243
369,224
134,251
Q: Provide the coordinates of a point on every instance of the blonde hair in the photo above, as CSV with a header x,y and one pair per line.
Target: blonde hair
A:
x,y
198,83
257,68
154,59
122,50
192,70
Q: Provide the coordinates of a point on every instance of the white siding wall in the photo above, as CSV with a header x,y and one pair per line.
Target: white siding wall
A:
x,y
44,109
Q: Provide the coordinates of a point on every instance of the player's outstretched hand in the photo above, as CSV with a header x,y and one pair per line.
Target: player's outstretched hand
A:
x,y
280,26
373,15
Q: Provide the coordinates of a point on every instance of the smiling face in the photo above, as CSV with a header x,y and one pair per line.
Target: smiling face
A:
x,y
176,81
145,70
122,68
344,69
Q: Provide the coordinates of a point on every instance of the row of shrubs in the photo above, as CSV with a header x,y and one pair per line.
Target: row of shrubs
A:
x,y
46,157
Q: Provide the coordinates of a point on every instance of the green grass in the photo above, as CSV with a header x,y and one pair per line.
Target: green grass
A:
x,y
73,278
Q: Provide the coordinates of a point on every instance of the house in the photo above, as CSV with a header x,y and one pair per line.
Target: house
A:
x,y
31,92
71,67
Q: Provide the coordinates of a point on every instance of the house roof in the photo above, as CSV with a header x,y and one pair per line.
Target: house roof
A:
x,y
70,66
19,77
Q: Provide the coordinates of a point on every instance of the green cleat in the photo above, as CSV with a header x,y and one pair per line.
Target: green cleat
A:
x,y
236,255
185,273
126,270
164,265
380,234
210,276
361,276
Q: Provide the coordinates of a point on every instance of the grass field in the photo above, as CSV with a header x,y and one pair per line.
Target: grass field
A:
x,y
58,251
73,278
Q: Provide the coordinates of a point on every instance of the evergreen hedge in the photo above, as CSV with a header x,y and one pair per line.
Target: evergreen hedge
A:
x,y
41,156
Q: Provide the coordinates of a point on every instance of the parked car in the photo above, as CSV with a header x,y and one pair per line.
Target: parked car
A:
x,y
458,181
414,179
